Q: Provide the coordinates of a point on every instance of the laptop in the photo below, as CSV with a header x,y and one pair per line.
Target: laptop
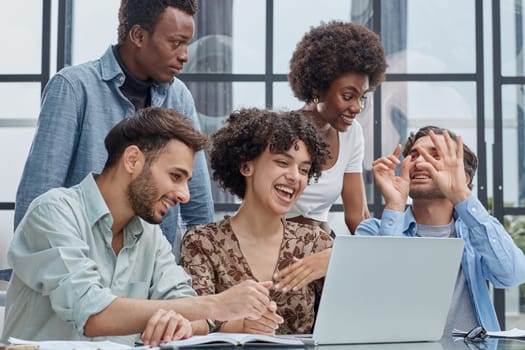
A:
x,y
387,289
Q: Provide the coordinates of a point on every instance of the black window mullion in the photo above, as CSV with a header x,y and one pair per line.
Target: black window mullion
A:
x,y
377,206
269,55
46,43
497,147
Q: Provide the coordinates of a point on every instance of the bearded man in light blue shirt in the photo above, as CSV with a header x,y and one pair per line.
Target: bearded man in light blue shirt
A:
x,y
80,104
437,173
90,261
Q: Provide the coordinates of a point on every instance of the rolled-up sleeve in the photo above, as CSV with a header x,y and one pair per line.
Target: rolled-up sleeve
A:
x,y
49,256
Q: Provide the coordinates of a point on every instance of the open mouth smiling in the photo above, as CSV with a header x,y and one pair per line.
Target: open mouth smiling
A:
x,y
287,191
348,119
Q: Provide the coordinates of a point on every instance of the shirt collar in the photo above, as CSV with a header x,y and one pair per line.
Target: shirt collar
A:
x,y
135,228
131,80
110,69
97,209
410,225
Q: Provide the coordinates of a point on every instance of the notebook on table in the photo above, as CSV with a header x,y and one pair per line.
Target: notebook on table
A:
x,y
387,289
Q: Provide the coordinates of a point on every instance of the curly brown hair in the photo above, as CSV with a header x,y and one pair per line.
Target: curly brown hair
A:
x,y
246,135
331,50
147,13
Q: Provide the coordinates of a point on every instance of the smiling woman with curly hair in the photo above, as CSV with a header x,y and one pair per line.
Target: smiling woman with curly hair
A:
x,y
266,158
333,69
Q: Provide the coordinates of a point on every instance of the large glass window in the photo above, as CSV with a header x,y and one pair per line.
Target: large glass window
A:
x,y
426,42
93,28
248,36
240,58
513,145
289,29
512,29
21,23
19,100
14,146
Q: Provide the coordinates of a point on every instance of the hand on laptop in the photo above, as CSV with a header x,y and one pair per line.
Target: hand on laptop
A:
x,y
302,271
166,326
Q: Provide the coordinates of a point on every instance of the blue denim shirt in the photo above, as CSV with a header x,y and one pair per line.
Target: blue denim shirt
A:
x,y
490,254
80,104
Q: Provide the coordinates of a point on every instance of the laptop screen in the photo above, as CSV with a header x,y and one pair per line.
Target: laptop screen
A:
x,y
387,289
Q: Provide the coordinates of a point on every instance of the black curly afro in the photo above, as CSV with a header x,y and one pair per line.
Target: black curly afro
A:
x,y
247,134
330,50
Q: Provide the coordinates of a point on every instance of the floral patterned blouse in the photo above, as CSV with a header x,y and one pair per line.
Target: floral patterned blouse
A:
x,y
211,254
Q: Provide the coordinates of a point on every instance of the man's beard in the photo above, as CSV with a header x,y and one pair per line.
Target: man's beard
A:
x,y
426,194
143,195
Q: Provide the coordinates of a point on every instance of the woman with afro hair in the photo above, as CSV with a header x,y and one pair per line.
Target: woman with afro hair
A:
x,y
333,69
266,158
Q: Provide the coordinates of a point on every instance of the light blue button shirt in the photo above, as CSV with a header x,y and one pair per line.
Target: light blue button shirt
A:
x,y
490,254
65,269
80,105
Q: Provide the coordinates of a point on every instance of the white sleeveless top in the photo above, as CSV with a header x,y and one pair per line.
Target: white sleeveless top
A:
x,y
317,198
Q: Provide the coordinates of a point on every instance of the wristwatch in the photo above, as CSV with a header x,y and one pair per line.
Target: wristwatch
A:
x,y
211,326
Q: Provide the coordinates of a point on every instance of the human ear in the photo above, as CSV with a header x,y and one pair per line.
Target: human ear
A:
x,y
246,169
136,35
468,179
133,159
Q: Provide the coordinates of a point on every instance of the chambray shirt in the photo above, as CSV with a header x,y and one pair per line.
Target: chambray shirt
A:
x,y
80,104
489,253
65,269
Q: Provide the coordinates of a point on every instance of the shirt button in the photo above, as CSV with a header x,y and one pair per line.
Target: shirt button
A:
x,y
390,222
473,210
494,241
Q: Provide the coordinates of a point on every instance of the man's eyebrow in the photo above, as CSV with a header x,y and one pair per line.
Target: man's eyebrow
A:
x,y
183,171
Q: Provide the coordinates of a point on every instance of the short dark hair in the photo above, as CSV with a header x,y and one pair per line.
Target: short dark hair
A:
x,y
146,13
150,129
246,135
469,158
331,50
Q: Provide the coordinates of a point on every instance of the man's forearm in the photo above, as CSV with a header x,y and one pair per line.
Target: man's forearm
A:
x,y
129,316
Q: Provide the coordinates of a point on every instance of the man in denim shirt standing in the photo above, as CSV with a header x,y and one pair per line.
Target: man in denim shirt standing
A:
x,y
82,103
437,173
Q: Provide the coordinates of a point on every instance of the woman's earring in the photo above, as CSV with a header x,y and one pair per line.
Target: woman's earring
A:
x,y
245,169
316,100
